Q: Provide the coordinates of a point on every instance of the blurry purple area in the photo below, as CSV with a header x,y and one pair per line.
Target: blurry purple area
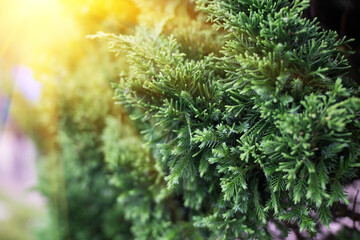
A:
x,y
18,166
4,110
26,83
18,175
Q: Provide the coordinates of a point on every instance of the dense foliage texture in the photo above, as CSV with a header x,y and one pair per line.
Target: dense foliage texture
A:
x,y
250,124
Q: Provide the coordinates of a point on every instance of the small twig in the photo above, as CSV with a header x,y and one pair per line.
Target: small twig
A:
x,y
343,211
353,208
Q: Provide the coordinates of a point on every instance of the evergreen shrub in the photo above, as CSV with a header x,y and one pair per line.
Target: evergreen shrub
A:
x,y
248,119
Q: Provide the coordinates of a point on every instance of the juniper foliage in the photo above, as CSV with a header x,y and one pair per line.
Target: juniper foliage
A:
x,y
152,211
252,123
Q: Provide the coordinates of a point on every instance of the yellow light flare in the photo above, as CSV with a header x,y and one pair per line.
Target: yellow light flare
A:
x,y
49,36
29,27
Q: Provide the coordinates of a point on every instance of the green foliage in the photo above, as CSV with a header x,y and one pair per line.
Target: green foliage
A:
x,y
73,174
265,129
153,211
79,193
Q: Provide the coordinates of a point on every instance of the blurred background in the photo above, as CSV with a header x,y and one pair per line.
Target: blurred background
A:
x,y
55,94
52,76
